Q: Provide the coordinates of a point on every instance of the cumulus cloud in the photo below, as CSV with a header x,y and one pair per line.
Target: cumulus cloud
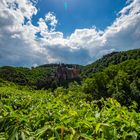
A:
x,y
17,40
124,33
24,44
51,19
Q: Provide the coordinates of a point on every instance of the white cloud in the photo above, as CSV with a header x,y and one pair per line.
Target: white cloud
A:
x,y
17,41
21,44
124,33
51,19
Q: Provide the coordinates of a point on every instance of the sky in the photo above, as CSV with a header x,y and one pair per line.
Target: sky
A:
x,y
36,32
73,14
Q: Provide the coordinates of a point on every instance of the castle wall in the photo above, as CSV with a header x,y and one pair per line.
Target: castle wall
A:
x,y
64,73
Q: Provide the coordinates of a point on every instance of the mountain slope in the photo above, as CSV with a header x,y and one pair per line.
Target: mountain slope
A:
x,y
109,59
44,76
121,82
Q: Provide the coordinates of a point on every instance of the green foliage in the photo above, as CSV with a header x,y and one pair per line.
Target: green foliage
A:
x,y
64,115
109,59
36,77
121,82
42,77
91,111
23,76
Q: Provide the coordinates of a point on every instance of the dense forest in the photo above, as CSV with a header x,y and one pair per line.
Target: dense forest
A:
x,y
36,77
110,59
71,102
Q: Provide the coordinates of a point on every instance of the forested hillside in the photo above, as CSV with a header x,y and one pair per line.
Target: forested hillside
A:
x,y
110,59
121,82
34,77
43,76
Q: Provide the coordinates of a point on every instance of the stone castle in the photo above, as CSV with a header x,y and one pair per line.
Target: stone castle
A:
x,y
64,72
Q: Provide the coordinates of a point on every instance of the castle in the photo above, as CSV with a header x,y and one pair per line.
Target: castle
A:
x,y
64,72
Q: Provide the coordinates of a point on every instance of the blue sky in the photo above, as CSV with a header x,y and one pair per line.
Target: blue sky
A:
x,y
36,32
73,14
